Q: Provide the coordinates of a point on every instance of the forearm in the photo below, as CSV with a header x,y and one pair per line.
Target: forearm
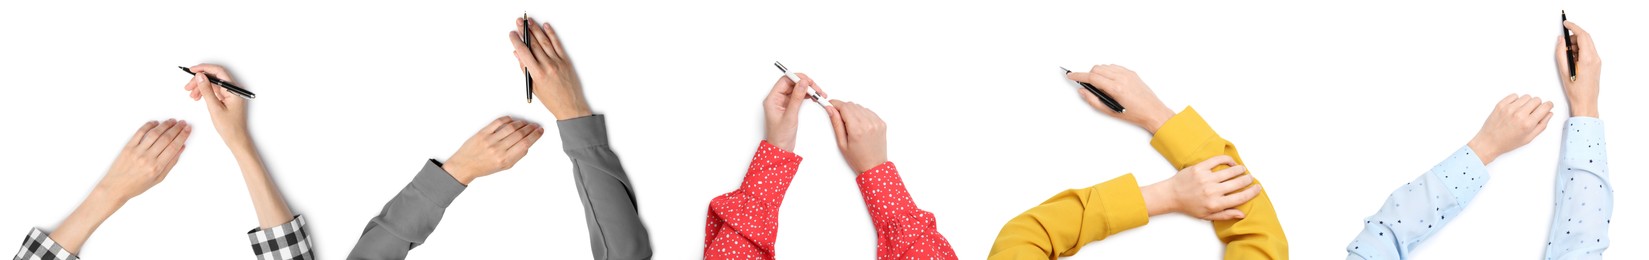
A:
x,y
745,223
1585,204
91,213
266,197
1063,224
903,230
1418,209
410,217
610,208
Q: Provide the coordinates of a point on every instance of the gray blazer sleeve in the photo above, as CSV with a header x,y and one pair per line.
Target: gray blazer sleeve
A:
x,y
410,217
610,211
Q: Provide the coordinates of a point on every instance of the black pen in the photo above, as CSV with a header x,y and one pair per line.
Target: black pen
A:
x,y
1568,46
1103,98
225,84
525,35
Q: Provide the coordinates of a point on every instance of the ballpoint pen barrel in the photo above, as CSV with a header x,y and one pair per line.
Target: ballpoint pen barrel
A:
x,y
1567,46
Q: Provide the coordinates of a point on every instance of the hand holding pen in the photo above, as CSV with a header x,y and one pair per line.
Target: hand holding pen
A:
x,y
1587,67
554,81
783,106
1126,88
212,84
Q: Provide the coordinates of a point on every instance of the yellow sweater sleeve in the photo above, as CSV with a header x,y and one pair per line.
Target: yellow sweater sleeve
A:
x,y
1072,218
1186,140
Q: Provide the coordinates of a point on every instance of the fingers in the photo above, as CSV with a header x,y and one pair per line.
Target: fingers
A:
x,y
541,43
781,87
191,86
166,138
213,70
522,53
518,135
1585,49
1527,107
555,42
1507,101
153,134
1093,101
505,131
1583,40
1228,214
175,148
1228,173
838,121
1542,108
813,84
137,137
1241,197
1234,185
495,125
519,148
1216,161
798,95
534,48
1517,104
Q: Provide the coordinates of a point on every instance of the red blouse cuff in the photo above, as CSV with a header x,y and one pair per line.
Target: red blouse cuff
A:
x,y
884,192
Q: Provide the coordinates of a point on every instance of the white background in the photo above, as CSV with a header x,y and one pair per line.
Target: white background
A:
x,y
1333,105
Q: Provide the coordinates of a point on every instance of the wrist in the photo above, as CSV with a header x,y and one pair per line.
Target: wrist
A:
x,y
1158,198
1582,109
106,198
863,168
237,140
1152,123
564,112
1485,152
464,176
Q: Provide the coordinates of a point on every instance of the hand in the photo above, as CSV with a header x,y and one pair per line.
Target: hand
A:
x,y
1202,192
1582,91
496,148
228,110
781,107
860,134
1514,122
554,81
1143,109
146,159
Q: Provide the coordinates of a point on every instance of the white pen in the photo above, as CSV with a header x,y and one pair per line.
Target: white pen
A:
x,y
792,75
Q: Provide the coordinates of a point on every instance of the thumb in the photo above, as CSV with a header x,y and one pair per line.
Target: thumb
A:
x,y
1227,214
838,123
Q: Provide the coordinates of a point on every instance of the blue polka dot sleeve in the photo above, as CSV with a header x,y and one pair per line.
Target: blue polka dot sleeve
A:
x,y
1585,200
1417,209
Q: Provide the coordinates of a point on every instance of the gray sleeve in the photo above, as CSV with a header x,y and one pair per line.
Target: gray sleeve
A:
x,y
610,211
410,217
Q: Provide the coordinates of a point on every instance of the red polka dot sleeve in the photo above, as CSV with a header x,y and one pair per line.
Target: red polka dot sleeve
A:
x,y
743,224
903,231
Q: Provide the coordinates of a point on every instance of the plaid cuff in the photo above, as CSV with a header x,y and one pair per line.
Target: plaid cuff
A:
x,y
40,246
287,241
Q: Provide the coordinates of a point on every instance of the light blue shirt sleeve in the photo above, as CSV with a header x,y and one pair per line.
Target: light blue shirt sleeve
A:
x,y
1584,198
1417,209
